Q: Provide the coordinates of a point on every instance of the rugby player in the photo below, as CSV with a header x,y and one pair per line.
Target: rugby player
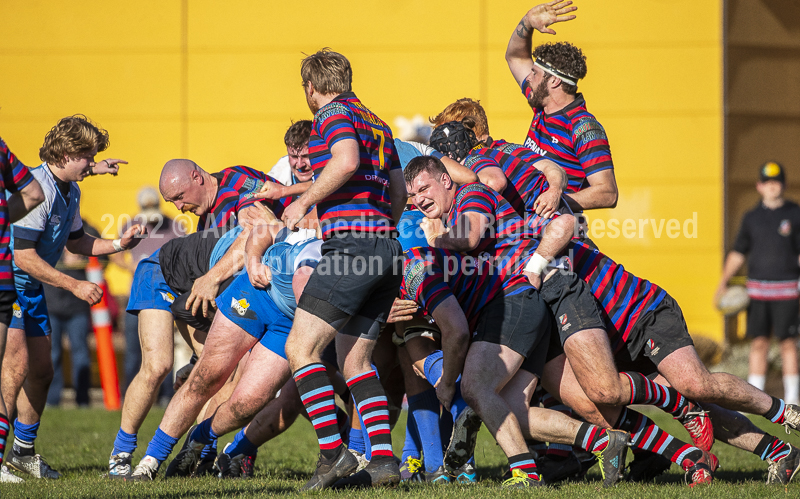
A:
x,y
221,201
38,240
359,194
562,129
253,314
24,194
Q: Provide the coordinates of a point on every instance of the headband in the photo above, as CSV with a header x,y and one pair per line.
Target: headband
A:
x,y
549,68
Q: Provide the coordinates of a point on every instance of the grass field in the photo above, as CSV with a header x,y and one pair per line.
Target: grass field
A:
x,y
77,443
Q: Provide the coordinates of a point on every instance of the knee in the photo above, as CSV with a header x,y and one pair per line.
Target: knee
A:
x,y
471,392
156,367
606,395
204,381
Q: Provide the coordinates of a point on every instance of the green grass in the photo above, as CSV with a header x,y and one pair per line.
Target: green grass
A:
x,y
77,443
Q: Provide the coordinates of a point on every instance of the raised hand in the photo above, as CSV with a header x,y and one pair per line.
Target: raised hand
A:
x,y
543,15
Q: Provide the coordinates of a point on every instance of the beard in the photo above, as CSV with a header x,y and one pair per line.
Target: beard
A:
x,y
311,104
536,100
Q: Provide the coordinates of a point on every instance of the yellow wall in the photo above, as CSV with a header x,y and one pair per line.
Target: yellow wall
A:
x,y
218,82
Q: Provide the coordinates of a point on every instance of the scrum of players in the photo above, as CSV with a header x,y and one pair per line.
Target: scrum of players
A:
x,y
456,273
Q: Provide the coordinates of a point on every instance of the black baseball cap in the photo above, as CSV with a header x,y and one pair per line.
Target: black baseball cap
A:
x,y
772,170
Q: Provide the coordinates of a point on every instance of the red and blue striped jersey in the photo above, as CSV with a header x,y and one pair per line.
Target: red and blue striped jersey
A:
x,y
505,239
362,204
572,138
432,275
624,297
525,182
14,176
234,184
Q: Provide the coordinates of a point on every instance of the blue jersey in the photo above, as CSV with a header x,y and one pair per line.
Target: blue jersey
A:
x,y
48,225
290,251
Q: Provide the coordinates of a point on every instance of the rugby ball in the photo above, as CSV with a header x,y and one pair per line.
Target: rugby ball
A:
x,y
733,301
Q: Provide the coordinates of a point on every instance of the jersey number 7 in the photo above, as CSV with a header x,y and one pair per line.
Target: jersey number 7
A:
x,y
378,134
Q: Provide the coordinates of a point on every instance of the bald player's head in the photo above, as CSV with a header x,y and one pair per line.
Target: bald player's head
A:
x,y
183,183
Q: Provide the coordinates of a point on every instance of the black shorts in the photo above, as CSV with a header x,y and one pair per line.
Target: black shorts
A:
x,y
358,275
520,322
656,334
7,299
179,312
572,304
778,317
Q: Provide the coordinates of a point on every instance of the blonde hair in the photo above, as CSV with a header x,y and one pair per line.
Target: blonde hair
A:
x,y
461,109
329,71
70,137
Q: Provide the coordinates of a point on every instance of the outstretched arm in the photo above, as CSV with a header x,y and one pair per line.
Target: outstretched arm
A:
x,y
518,53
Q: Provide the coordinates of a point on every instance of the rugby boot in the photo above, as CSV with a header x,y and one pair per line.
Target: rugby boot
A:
x,y
791,417
465,474
145,471
700,472
462,440
362,459
119,465
378,473
8,477
612,458
784,469
520,479
553,471
698,425
186,461
329,472
34,465
411,470
646,466
238,466
440,476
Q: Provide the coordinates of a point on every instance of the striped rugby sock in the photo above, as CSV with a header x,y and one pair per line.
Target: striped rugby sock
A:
x,y
771,448
776,411
591,437
374,409
645,391
646,435
524,462
4,426
317,395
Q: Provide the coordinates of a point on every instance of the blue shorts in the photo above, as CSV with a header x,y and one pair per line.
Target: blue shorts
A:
x,y
254,311
29,312
149,290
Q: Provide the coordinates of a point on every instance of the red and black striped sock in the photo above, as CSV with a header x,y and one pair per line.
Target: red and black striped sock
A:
x,y
591,437
646,435
771,448
4,426
373,406
525,463
645,391
316,392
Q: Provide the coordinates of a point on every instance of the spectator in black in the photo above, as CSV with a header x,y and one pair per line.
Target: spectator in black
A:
x,y
769,238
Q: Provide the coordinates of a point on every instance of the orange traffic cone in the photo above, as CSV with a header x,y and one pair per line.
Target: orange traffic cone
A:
x,y
101,323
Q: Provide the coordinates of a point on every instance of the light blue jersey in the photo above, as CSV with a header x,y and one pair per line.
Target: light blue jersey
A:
x,y
290,251
48,225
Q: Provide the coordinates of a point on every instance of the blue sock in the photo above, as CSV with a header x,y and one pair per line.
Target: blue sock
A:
x,y
241,445
433,371
412,443
203,433
25,432
161,446
125,442
357,441
425,410
209,450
